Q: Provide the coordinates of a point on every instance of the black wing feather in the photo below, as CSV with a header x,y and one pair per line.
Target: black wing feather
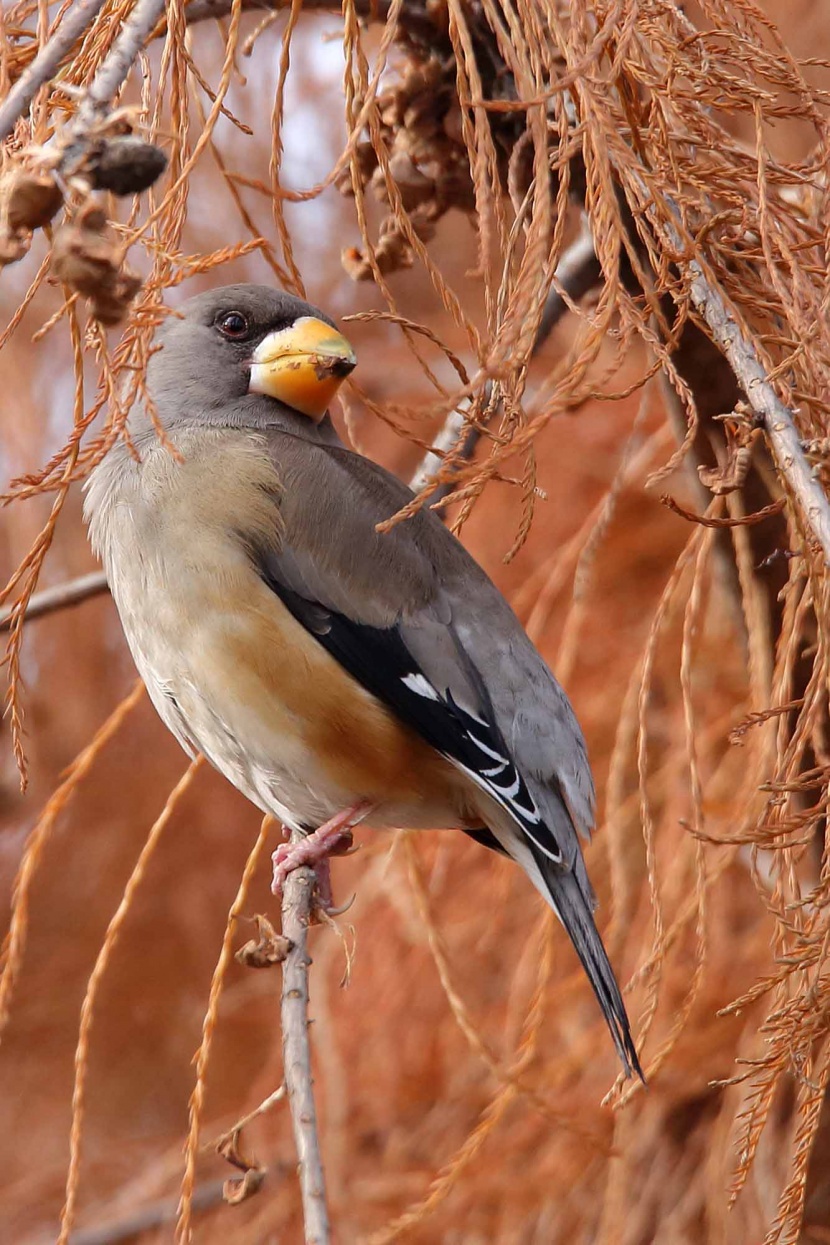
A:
x,y
380,660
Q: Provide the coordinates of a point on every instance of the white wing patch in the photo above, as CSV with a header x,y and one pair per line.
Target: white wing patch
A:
x,y
494,756
509,792
494,771
420,686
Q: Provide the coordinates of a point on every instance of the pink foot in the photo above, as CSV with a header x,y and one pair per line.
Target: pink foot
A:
x,y
333,837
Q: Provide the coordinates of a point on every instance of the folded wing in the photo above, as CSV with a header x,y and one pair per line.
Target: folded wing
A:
x,y
417,622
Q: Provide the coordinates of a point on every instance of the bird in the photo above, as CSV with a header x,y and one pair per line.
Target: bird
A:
x,y
334,673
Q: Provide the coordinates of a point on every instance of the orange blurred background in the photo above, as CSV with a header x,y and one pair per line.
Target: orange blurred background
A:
x,y
401,1088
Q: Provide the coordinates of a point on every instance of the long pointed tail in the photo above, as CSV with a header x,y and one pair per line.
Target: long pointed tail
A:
x,y
572,897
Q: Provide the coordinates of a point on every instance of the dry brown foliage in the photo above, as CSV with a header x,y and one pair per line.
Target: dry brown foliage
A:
x,y
466,1086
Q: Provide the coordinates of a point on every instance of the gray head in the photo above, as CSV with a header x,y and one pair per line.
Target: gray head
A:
x,y
247,355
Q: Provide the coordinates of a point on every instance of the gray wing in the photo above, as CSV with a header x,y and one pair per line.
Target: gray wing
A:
x,y
415,619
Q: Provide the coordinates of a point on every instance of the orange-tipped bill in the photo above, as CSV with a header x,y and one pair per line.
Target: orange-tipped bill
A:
x,y
302,366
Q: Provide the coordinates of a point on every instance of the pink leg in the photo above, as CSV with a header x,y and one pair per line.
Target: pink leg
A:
x,y
315,849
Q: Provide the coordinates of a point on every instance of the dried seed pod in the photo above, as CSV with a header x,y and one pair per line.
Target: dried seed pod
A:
x,y
88,259
355,264
13,246
414,188
240,1188
367,162
111,305
428,166
425,112
125,166
392,253
28,200
84,257
267,949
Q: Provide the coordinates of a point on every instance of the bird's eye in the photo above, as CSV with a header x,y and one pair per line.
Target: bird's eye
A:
x,y
233,325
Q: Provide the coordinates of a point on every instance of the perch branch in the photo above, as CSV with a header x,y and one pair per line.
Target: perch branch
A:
x,y
778,420
296,916
46,63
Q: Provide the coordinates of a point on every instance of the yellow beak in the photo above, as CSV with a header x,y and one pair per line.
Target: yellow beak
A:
x,y
302,366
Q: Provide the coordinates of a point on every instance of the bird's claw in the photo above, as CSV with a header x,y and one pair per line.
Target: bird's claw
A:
x,y
342,908
333,838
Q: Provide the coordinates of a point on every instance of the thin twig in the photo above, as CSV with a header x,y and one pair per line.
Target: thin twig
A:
x,y
265,1105
154,1215
746,520
46,63
577,272
296,915
73,592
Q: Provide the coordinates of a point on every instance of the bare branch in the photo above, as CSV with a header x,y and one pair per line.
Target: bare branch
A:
x,y
205,10
46,63
154,1215
110,77
296,916
778,420
113,73
60,597
577,272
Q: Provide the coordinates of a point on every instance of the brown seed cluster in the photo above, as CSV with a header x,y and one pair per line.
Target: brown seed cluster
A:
x,y
85,254
28,201
124,165
426,171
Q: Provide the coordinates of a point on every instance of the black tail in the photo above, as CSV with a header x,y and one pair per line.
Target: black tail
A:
x,y
573,899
